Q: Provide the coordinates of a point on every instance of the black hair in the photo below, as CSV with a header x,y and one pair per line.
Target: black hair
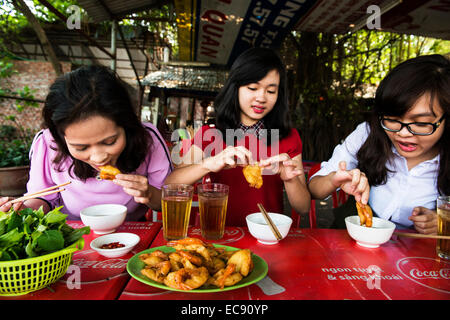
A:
x,y
396,94
94,91
250,67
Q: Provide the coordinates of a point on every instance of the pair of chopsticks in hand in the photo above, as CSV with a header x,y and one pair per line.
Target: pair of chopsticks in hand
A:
x,y
269,221
40,193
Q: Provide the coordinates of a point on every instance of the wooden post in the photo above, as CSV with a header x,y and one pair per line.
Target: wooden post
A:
x,y
21,6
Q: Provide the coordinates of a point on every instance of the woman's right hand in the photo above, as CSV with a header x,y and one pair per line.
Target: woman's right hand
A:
x,y
353,182
5,204
228,158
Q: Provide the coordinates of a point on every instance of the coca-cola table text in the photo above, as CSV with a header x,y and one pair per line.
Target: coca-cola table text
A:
x,y
92,276
324,264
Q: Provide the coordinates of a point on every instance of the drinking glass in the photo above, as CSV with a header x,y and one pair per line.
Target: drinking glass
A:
x,y
212,202
443,212
176,201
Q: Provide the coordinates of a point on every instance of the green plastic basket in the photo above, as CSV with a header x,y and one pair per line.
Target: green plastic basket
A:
x,y
23,276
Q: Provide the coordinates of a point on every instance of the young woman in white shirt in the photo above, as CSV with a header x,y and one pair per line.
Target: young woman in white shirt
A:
x,y
398,161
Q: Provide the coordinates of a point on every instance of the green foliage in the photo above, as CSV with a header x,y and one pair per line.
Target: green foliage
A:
x,y
31,233
15,139
334,77
14,153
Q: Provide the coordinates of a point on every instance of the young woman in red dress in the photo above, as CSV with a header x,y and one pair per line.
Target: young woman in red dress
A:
x,y
252,125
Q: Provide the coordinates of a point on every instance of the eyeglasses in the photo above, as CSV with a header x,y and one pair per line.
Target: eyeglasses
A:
x,y
416,128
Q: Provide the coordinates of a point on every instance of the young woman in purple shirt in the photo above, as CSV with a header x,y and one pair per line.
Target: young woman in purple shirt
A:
x,y
90,122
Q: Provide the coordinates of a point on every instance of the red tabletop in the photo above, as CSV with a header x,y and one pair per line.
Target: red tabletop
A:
x,y
92,276
325,264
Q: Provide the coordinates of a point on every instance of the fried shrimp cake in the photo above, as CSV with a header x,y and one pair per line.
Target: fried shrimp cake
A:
x,y
253,175
365,214
242,259
157,272
108,172
225,277
187,279
193,244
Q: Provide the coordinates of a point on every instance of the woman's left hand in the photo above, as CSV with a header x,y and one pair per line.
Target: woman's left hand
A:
x,y
136,186
425,220
285,166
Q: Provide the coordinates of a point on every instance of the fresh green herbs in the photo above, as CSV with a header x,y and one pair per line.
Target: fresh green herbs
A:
x,y
30,233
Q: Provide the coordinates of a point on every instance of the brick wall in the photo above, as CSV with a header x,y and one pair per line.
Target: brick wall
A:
x,y
38,76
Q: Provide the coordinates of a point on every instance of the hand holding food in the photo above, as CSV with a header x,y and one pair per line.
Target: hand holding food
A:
x,y
365,214
136,186
197,264
283,165
253,175
352,182
228,158
108,172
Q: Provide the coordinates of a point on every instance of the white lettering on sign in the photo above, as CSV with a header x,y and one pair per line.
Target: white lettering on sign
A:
x,y
257,22
287,14
110,263
430,274
218,27
372,275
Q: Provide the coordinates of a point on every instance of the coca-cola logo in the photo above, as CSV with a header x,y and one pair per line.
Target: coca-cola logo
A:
x,y
428,272
230,235
100,268
107,264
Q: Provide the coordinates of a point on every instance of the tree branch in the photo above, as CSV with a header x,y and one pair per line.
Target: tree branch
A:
x,y
21,6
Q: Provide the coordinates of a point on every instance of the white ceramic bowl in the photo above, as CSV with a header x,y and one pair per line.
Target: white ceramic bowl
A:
x,y
261,230
130,240
380,232
104,218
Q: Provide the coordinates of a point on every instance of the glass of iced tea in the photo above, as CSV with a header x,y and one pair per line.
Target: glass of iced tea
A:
x,y
443,212
176,201
212,202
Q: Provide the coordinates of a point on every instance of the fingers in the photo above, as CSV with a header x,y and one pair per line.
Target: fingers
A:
x,y
5,207
365,195
5,204
243,155
283,164
354,182
134,185
425,228
342,165
425,220
361,187
275,159
233,156
421,210
129,180
356,177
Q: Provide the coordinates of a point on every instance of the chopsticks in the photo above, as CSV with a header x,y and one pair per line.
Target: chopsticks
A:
x,y
420,235
40,193
269,221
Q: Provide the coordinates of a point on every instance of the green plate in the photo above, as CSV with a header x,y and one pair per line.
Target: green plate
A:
x,y
135,265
